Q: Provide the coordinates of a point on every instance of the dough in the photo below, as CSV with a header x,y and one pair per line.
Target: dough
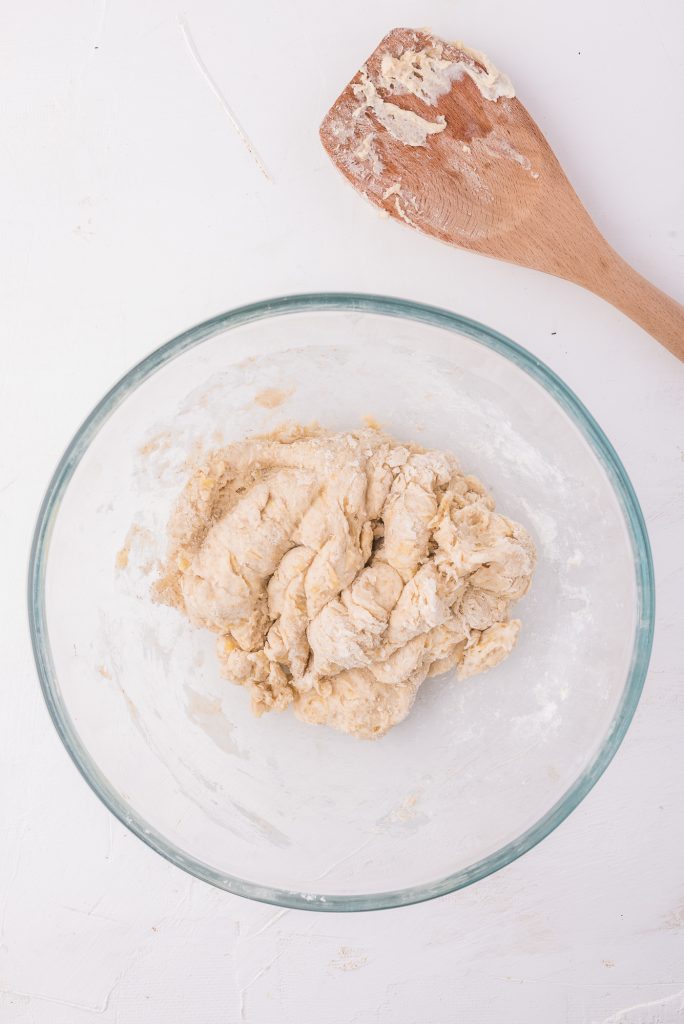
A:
x,y
341,570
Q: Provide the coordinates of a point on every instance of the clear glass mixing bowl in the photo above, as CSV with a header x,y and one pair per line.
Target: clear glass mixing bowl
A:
x,y
294,814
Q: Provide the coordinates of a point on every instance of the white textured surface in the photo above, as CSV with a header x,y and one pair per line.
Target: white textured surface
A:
x,y
131,208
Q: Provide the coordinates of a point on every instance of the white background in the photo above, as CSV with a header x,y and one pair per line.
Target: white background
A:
x,y
129,210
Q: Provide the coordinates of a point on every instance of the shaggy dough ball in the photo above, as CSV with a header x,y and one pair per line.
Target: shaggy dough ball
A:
x,y
341,570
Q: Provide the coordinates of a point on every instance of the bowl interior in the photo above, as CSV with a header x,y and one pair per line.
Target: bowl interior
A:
x,y
294,813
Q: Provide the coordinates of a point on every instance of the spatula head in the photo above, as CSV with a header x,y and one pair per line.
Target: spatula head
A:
x,y
432,134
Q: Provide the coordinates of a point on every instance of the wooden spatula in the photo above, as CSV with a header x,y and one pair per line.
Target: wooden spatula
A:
x,y
431,133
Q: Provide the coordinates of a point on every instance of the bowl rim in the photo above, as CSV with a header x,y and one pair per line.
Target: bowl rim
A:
x,y
391,307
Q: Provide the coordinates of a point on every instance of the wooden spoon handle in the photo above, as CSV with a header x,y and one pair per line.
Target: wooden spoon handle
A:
x,y
618,283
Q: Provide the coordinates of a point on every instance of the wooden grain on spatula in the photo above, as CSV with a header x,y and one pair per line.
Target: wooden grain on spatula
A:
x,y
433,135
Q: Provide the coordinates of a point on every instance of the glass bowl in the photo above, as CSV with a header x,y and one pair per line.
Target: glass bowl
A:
x,y
294,814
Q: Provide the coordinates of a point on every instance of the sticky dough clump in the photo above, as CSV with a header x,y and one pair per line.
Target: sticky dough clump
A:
x,y
339,571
